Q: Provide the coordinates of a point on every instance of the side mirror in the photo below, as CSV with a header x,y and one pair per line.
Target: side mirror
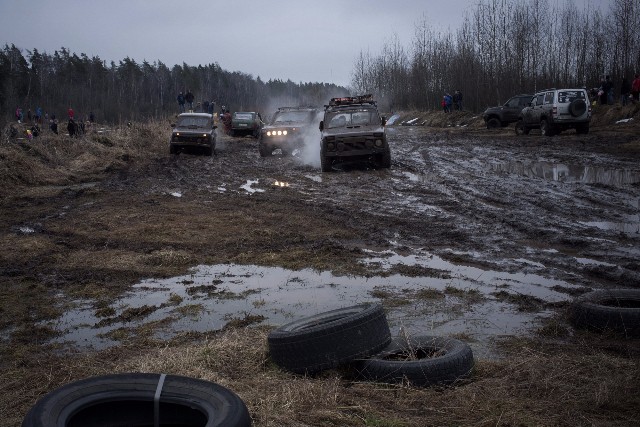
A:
x,y
215,127
384,120
321,125
173,125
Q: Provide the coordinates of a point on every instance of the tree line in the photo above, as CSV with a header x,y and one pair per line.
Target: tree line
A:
x,y
127,90
503,48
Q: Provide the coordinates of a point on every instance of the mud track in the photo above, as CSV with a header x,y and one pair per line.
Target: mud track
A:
x,y
488,222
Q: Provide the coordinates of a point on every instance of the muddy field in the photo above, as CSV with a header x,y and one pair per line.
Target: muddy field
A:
x,y
112,252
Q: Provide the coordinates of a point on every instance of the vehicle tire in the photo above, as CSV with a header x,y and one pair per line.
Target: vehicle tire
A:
x,y
436,360
545,128
577,107
330,339
385,159
493,123
173,149
264,150
521,129
128,400
325,163
615,310
582,129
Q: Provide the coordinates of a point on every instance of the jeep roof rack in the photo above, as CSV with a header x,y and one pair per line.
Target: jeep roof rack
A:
x,y
351,100
302,107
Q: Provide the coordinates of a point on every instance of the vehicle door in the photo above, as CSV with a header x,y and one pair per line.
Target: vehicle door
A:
x,y
511,110
531,114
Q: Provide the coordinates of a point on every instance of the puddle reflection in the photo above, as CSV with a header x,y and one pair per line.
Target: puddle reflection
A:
x,y
211,296
570,173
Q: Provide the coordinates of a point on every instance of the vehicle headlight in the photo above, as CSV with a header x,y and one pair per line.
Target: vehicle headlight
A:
x,y
378,143
284,132
331,146
268,133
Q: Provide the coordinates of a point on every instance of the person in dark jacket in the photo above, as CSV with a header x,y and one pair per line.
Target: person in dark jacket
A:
x,y
181,101
625,91
189,98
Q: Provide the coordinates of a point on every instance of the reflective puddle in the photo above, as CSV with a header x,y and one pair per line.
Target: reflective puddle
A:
x,y
453,299
570,173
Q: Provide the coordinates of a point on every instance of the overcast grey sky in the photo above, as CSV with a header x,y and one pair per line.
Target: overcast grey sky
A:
x,y
305,41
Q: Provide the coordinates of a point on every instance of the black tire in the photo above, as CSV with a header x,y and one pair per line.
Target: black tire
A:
x,y
264,150
437,360
385,159
128,400
325,163
577,107
493,123
615,310
521,129
173,149
328,340
545,128
582,129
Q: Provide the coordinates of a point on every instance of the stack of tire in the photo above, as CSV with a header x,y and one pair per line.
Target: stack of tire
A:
x,y
359,339
612,310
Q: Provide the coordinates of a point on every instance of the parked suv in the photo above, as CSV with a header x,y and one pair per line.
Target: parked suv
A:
x,y
503,115
193,130
288,129
555,110
352,129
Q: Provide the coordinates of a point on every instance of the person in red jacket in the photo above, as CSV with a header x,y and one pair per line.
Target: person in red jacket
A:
x,y
635,88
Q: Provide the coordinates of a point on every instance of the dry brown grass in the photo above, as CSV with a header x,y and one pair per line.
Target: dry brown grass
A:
x,y
537,384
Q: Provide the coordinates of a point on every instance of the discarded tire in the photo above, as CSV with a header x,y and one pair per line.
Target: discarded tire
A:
x,y
139,400
422,361
608,310
330,339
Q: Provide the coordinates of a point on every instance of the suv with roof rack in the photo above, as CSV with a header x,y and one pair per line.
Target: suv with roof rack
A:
x,y
352,129
555,110
288,129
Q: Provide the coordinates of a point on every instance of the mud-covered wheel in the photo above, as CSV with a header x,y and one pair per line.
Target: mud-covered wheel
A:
x,y
385,159
582,129
422,361
493,123
325,163
328,340
139,400
577,107
616,310
521,129
545,128
263,150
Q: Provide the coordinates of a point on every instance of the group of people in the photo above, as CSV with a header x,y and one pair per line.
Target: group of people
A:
x,y
605,93
74,127
187,99
450,103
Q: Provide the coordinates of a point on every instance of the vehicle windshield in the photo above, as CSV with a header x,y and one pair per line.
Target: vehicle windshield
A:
x,y
193,121
243,116
351,118
292,117
568,96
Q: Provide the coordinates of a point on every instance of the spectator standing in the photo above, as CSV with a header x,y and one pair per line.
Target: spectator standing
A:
x,y
625,90
189,98
448,100
181,101
635,88
53,124
71,113
18,114
457,100
609,90
71,127
39,115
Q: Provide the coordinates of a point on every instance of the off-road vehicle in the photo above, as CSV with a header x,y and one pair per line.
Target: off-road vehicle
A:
x,y
288,129
193,130
555,110
352,129
245,123
495,117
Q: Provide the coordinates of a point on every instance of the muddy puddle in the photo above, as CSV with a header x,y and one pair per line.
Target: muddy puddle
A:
x,y
458,300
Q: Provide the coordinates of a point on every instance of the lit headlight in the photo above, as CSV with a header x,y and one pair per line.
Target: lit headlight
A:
x,y
279,132
268,133
284,132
